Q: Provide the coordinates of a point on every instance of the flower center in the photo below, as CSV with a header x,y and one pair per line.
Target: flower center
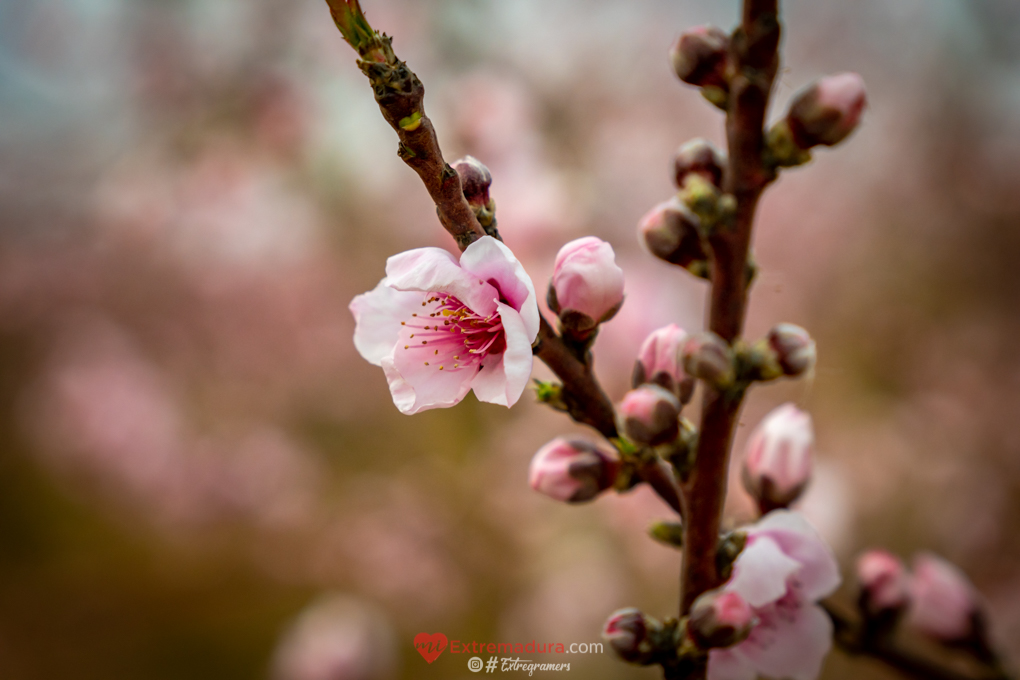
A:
x,y
451,336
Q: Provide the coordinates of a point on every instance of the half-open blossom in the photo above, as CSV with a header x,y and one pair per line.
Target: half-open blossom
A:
x,y
942,600
439,327
784,569
572,471
777,467
587,282
883,580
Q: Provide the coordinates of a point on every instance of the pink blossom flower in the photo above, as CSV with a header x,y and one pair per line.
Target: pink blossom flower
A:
x,y
942,599
439,328
783,571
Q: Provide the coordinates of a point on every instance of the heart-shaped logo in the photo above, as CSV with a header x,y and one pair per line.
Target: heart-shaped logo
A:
x,y
430,646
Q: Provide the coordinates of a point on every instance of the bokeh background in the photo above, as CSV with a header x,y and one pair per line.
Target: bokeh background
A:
x,y
200,478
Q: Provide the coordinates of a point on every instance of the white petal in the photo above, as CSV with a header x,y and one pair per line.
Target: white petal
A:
x,y
819,574
416,387
505,379
761,571
490,259
377,317
435,270
795,646
729,664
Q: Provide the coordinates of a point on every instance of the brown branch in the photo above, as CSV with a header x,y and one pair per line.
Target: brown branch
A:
x,y
754,53
588,404
401,96
852,637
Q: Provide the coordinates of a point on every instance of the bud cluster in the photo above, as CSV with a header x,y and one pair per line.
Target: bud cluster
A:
x,y
938,599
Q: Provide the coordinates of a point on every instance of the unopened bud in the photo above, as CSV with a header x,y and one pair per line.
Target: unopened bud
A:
x,y
720,619
699,57
631,635
587,285
475,180
698,156
827,111
670,232
777,467
650,415
943,603
572,471
708,357
659,362
794,348
883,580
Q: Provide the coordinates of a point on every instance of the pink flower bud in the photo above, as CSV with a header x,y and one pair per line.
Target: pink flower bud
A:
x,y
883,580
699,56
708,357
698,156
794,348
777,467
587,283
659,362
475,180
827,111
650,415
670,232
720,619
572,471
627,631
943,603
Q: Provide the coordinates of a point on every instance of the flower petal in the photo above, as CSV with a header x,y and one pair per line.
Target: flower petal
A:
x,y
794,647
761,571
377,317
729,664
819,574
490,260
435,270
505,376
416,387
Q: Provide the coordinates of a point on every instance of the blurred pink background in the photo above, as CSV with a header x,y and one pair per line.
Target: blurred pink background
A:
x,y
199,476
